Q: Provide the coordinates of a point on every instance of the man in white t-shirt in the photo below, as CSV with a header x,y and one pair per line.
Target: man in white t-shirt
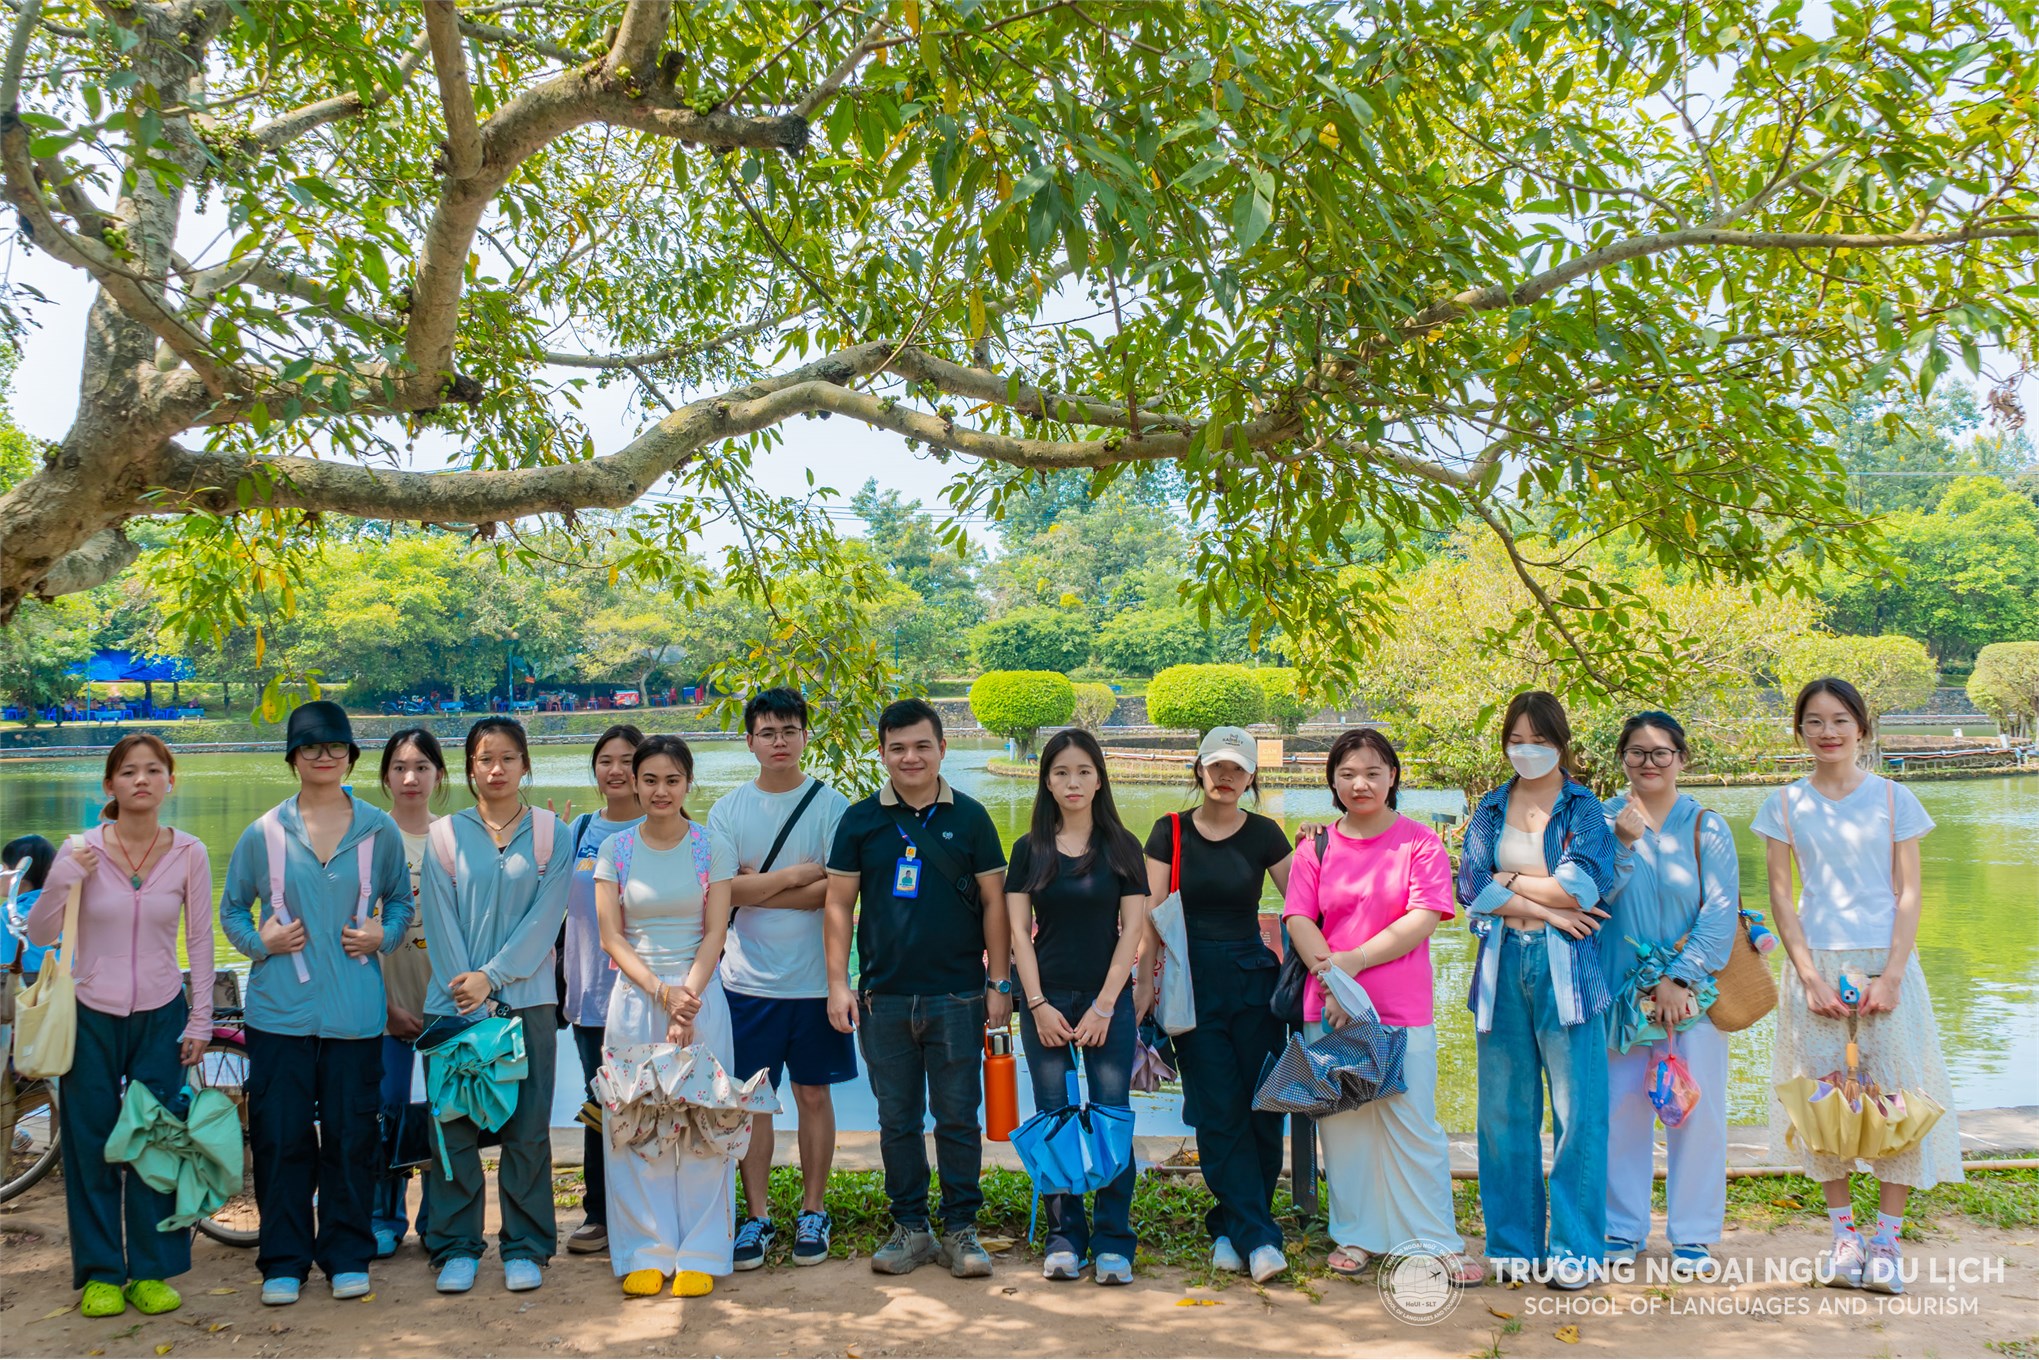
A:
x,y
771,838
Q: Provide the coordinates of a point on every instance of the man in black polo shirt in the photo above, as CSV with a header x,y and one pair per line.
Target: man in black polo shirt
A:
x,y
926,863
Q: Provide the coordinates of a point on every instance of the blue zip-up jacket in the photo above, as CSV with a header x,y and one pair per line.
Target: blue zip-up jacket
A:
x,y
1658,899
344,999
501,917
1581,852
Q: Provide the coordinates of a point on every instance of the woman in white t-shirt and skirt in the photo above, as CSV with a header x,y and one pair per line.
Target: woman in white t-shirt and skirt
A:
x,y
1855,837
663,922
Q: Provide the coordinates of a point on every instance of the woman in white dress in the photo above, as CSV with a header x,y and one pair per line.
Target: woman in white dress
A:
x,y
1855,839
663,923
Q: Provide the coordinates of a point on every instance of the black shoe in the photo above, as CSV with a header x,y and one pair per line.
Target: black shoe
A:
x,y
754,1237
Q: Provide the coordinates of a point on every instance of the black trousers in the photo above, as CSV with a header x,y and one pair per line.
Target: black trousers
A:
x,y
1238,1147
100,1199
312,1131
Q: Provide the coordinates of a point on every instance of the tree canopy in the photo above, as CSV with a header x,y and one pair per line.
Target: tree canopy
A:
x,y
1356,272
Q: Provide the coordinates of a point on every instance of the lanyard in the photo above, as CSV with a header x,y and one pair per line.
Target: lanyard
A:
x,y
924,817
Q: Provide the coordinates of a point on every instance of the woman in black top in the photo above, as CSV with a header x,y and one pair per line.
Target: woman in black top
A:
x,y
1078,902
1226,854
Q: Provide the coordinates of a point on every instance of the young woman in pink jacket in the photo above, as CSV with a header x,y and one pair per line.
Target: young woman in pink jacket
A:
x,y
134,1024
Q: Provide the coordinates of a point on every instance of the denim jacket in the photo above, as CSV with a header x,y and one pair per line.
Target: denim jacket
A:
x,y
1581,852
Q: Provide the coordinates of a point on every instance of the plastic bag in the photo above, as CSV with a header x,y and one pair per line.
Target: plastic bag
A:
x,y
1672,1089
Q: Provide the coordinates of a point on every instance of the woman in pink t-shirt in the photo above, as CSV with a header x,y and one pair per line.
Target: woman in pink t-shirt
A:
x,y
1369,907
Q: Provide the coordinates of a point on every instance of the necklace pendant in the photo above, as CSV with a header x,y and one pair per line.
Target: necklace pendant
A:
x,y
135,879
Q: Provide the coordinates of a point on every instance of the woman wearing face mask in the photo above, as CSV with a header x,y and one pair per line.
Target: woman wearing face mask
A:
x,y
589,974
1077,877
413,776
1536,862
1226,856
671,1209
1680,913
1854,838
133,1025
491,920
1370,907
316,1009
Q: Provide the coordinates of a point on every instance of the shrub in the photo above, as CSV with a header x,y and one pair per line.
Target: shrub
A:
x,y
1036,639
1016,704
1894,673
1202,697
1145,641
1095,703
2005,685
1285,706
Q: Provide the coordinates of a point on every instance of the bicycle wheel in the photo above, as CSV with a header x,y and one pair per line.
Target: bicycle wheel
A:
x,y
224,1067
34,1150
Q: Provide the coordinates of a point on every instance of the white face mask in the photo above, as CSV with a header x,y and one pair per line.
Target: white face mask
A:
x,y
1533,762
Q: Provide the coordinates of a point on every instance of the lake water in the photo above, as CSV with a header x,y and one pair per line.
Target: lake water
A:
x,y
1978,943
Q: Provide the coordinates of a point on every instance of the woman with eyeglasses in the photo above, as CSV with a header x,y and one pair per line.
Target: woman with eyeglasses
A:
x,y
1671,921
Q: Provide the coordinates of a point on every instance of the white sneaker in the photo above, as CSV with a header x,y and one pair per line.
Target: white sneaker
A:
x,y
1268,1262
1224,1256
1061,1265
1883,1272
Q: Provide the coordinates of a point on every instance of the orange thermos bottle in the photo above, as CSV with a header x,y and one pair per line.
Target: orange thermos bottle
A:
x,y
1001,1086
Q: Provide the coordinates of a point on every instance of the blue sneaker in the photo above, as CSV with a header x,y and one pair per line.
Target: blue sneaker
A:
x,y
385,1244
1620,1249
521,1275
754,1237
1694,1261
350,1284
810,1237
280,1291
457,1275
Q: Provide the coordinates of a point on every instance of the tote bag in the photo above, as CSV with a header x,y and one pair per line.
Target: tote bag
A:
x,y
1175,1007
46,1014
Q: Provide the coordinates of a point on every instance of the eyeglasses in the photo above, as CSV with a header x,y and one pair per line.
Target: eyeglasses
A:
x,y
772,736
326,750
1659,756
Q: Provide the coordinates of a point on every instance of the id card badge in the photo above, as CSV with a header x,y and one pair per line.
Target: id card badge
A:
x,y
906,875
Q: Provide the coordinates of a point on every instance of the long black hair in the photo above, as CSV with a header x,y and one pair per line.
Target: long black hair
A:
x,y
427,746
510,728
1108,834
619,732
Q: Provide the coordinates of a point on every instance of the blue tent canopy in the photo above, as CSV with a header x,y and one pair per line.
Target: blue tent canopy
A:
x,y
110,664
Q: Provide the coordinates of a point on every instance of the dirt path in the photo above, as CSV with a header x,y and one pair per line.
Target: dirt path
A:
x,y
841,1309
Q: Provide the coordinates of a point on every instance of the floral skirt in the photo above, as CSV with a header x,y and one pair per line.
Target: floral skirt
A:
x,y
1900,1052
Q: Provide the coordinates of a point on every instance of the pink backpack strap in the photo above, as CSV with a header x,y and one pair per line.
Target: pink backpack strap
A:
x,y
274,842
697,836
544,827
440,836
364,865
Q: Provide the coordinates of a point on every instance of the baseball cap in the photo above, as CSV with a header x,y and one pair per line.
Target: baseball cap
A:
x,y
1230,743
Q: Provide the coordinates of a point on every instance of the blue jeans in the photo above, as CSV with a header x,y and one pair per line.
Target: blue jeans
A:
x,y
1526,1048
391,1212
922,1052
1109,1068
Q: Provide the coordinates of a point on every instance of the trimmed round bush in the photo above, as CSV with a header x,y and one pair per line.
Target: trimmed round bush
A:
x,y
1033,639
1285,706
2005,685
1016,704
1198,698
1095,704
1894,672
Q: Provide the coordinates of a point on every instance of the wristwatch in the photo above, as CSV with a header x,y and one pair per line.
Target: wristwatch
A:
x,y
1003,986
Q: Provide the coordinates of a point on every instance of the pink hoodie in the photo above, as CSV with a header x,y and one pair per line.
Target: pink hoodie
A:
x,y
126,950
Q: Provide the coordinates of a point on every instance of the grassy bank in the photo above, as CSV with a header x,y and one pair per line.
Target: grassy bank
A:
x,y
1168,1212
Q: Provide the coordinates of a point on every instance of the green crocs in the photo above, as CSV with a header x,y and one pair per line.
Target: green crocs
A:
x,y
101,1300
152,1297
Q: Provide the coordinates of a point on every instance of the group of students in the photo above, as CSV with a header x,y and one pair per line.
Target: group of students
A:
x,y
637,925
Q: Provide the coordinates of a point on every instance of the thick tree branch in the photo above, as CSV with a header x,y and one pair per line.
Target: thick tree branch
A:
x,y
638,39
449,62
17,55
286,128
817,98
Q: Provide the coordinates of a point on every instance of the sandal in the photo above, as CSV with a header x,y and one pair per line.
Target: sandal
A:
x,y
1348,1261
1462,1271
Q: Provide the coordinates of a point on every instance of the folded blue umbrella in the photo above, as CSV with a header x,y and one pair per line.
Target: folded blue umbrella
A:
x,y
1075,1149
1339,1071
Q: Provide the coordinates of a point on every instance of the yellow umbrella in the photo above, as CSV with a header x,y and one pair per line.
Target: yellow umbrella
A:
x,y
1843,1115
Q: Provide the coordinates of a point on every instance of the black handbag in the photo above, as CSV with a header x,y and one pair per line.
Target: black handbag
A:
x,y
1287,1001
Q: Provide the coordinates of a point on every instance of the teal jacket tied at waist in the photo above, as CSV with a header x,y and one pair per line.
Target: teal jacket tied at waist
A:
x,y
343,999
497,914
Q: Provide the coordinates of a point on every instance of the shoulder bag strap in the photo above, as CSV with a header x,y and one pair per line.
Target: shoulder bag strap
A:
x,y
957,870
440,835
364,863
276,845
778,844
544,826
1175,859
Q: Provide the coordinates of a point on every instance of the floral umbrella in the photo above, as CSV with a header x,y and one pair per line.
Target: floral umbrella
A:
x,y
660,1096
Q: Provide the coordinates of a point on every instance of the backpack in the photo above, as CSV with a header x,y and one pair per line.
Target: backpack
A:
x,y
544,825
273,840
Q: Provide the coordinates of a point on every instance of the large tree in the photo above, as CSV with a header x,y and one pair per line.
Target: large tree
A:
x,y
1593,266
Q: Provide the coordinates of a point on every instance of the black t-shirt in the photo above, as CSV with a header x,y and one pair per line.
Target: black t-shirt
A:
x,y
933,943
1221,880
1076,917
